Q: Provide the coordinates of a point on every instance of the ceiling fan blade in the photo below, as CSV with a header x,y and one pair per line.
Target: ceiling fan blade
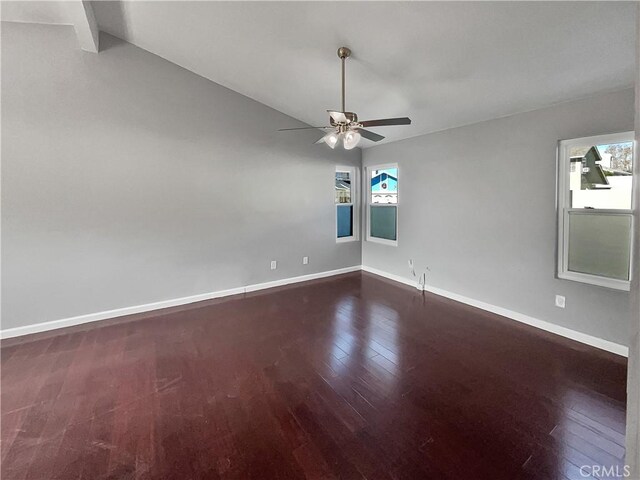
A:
x,y
370,135
299,128
338,117
383,122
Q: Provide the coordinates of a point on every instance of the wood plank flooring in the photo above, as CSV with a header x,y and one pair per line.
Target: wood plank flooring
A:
x,y
349,377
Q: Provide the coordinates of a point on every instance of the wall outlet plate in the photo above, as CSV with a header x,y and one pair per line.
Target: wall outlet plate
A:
x,y
560,301
305,260
274,264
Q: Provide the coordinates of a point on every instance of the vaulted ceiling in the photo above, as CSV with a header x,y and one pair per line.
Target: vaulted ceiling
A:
x,y
444,64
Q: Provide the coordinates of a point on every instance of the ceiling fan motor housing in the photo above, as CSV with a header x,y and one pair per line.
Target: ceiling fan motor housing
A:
x,y
351,116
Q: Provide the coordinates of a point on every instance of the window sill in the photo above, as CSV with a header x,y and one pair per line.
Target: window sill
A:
x,y
383,241
346,239
612,283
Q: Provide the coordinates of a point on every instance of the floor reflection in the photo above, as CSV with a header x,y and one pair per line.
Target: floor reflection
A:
x,y
365,337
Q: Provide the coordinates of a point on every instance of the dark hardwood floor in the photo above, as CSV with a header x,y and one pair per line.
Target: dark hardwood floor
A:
x,y
348,377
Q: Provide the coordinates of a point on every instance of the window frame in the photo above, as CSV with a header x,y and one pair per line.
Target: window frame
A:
x,y
563,210
355,219
370,205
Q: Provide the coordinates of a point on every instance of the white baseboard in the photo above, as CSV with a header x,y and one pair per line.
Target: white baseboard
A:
x,y
120,312
519,317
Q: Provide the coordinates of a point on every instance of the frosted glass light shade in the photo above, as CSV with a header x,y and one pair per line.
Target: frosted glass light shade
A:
x,y
351,139
331,139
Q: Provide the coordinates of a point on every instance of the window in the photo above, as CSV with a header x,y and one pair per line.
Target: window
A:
x,y
595,220
382,199
346,211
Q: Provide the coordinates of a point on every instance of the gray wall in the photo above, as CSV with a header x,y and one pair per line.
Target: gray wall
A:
x,y
633,382
127,180
477,205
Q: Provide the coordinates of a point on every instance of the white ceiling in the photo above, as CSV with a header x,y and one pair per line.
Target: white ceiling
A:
x,y
49,12
443,64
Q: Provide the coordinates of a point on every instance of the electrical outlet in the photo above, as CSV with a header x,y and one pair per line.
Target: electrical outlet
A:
x,y
274,264
305,260
560,301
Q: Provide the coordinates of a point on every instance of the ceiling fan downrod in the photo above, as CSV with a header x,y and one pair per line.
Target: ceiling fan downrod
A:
x,y
343,54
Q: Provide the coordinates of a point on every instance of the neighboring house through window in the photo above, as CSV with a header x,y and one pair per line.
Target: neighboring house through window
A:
x,y
382,204
595,220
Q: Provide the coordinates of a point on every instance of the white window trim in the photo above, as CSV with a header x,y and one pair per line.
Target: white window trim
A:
x,y
353,174
563,210
369,238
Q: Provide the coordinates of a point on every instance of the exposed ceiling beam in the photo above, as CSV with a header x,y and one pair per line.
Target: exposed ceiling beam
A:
x,y
84,22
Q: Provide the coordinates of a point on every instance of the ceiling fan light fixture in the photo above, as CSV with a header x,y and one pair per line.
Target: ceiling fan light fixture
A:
x,y
331,139
344,126
351,139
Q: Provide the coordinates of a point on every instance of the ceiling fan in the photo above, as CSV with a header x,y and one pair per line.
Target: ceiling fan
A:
x,y
345,125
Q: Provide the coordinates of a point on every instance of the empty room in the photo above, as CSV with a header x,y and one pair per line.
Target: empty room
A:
x,y
320,240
